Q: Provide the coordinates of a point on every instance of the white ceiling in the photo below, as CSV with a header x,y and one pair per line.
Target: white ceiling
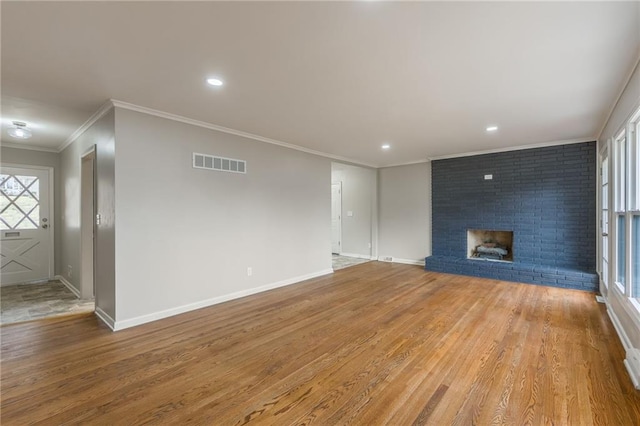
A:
x,y
337,77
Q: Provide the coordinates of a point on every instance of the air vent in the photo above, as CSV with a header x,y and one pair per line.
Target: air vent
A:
x,y
221,164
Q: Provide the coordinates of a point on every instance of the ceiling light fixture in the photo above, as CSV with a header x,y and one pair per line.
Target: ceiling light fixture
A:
x,y
492,128
214,82
19,130
386,146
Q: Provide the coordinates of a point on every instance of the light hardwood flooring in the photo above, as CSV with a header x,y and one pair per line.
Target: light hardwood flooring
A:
x,y
373,344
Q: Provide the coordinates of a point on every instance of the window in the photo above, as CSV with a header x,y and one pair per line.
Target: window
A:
x,y
19,202
625,235
633,205
634,166
621,172
621,250
635,256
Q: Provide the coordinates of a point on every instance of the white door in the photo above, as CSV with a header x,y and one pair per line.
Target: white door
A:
x,y
336,217
604,219
25,225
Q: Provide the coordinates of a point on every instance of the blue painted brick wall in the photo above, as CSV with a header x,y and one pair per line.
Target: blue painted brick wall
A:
x,y
547,196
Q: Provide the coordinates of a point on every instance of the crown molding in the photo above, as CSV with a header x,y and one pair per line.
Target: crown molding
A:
x,y
27,147
428,160
105,108
514,148
169,116
615,104
113,103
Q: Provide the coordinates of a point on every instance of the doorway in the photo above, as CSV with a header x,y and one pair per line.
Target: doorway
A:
x,y
336,217
604,218
87,225
353,214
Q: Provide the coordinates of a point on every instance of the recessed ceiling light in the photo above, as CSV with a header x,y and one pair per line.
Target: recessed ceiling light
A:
x,y
492,128
386,146
214,82
19,130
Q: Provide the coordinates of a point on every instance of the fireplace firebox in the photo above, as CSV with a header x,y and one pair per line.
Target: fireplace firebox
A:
x,y
488,244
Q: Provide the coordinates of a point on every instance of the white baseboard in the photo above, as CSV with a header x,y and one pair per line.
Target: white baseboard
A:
x,y
42,281
408,261
67,284
106,319
632,359
143,319
358,256
400,260
632,362
626,343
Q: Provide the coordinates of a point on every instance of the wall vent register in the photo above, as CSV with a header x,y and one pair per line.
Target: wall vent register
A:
x,y
221,164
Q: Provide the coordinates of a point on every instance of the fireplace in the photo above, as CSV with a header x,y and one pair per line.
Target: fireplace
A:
x,y
487,244
536,194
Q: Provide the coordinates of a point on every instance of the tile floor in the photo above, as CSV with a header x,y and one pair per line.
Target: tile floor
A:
x,y
25,302
340,262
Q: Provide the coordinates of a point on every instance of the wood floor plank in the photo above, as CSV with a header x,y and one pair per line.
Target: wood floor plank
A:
x,y
375,343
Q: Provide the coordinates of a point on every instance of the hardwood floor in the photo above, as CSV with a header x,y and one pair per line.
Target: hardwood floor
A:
x,y
377,343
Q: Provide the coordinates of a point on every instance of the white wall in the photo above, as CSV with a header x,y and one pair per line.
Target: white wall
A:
x,y
359,196
101,134
624,314
43,159
405,212
185,237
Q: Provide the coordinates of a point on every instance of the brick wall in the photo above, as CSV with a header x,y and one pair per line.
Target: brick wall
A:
x,y
546,196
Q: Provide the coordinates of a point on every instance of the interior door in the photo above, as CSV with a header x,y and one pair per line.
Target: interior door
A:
x,y
25,225
604,221
336,217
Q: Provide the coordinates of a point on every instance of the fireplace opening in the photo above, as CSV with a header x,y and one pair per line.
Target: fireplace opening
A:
x,y
487,244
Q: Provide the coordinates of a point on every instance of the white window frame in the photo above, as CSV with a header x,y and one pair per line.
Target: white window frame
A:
x,y
633,199
625,147
620,168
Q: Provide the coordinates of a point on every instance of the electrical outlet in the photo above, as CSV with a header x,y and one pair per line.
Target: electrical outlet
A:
x,y
69,271
387,259
249,271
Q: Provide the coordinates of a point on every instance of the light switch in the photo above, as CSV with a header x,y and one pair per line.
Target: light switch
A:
x,y
350,213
